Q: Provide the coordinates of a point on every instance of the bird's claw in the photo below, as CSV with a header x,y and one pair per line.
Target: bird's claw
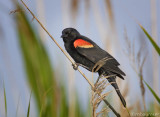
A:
x,y
93,89
75,66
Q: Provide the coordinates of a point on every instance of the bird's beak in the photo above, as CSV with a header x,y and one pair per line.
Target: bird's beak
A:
x,y
63,36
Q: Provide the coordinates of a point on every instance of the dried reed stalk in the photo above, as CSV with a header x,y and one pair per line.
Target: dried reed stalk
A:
x,y
98,95
137,63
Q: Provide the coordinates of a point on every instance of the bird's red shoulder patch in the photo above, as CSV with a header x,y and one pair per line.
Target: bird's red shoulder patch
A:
x,y
82,44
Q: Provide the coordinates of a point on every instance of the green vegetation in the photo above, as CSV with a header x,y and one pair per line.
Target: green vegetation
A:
x,y
157,48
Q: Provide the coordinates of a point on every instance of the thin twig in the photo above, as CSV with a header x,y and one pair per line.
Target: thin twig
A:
x,y
92,86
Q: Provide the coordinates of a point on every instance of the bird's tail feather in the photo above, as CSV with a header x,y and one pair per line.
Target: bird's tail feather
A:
x,y
112,80
114,84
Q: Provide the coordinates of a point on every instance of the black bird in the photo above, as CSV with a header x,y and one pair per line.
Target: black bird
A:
x,y
87,54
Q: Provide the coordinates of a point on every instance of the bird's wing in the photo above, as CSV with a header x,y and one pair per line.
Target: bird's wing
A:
x,y
94,53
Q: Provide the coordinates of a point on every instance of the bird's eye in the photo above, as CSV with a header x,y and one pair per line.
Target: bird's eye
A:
x,y
67,33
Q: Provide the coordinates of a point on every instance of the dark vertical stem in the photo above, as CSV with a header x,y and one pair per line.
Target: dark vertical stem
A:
x,y
114,111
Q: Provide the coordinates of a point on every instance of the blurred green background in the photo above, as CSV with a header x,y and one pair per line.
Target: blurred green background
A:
x,y
36,79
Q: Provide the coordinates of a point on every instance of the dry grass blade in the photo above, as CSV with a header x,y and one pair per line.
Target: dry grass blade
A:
x,y
100,89
141,83
106,94
98,84
104,110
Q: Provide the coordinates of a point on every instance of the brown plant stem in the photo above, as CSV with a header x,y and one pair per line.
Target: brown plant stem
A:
x,y
92,86
114,111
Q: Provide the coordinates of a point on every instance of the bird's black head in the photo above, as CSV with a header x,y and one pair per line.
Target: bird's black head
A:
x,y
69,34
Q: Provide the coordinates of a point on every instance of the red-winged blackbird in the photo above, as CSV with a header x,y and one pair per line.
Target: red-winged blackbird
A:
x,y
87,53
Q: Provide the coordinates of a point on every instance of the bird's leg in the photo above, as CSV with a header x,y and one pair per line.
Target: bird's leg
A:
x,y
99,77
100,63
75,66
